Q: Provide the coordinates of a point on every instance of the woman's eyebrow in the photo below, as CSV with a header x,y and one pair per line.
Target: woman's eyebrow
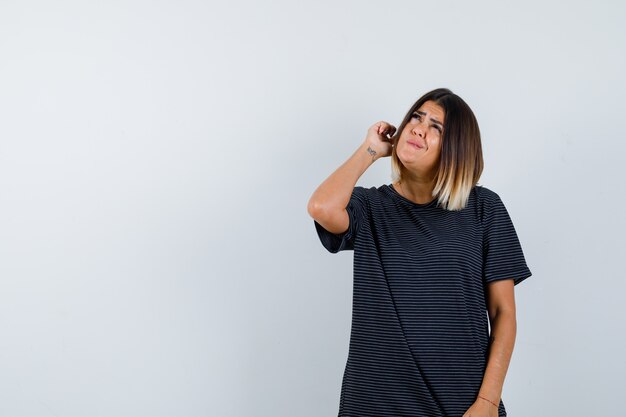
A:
x,y
434,120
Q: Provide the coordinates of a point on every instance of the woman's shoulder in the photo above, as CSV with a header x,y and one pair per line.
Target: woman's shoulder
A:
x,y
370,191
482,196
485,194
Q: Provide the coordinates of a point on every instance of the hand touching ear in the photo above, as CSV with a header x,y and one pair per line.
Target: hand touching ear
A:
x,y
378,139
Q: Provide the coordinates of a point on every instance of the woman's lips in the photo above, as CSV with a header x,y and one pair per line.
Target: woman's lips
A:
x,y
417,145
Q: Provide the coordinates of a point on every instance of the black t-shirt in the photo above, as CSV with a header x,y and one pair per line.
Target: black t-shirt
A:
x,y
419,338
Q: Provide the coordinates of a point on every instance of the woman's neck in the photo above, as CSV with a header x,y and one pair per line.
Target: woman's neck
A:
x,y
417,190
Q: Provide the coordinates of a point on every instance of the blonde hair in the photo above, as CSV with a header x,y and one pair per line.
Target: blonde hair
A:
x,y
461,159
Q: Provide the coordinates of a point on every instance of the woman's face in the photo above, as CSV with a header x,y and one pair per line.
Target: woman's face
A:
x,y
419,145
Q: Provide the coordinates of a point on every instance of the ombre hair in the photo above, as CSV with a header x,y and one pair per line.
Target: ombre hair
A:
x,y
461,159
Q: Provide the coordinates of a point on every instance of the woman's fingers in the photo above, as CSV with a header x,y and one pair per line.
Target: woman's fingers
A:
x,y
386,128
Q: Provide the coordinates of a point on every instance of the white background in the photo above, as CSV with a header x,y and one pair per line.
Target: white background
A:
x,y
156,160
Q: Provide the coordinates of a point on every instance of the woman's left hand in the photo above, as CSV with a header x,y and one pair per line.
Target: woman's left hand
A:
x,y
481,408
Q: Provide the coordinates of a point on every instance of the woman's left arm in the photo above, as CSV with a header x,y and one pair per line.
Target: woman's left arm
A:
x,y
503,323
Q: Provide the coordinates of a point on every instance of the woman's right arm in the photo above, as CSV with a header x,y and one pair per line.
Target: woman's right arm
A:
x,y
328,203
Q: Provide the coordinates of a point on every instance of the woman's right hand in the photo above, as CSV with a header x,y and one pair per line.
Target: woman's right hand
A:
x,y
379,138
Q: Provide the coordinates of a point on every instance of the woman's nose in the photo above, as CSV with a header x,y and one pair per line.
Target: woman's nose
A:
x,y
418,130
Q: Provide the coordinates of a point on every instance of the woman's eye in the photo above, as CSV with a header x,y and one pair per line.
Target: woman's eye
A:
x,y
417,116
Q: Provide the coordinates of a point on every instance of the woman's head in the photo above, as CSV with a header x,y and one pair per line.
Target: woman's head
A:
x,y
439,139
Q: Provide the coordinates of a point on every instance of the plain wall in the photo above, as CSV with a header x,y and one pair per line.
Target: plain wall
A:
x,y
156,160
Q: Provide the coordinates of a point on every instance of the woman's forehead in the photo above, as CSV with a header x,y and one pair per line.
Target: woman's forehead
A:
x,y
432,110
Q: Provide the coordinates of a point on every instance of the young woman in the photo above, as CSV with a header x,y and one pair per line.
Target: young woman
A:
x,y
436,257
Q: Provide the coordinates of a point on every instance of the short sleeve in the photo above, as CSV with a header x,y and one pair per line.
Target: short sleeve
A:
x,y
358,213
503,257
